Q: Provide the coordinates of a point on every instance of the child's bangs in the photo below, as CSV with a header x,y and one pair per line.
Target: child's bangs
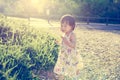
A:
x,y
64,22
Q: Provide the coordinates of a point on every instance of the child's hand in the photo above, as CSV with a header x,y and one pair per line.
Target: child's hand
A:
x,y
65,40
57,42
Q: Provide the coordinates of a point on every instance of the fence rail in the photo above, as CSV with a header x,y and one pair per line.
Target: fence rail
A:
x,y
88,20
104,20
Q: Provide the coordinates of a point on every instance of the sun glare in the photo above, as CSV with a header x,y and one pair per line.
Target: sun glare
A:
x,y
35,1
40,5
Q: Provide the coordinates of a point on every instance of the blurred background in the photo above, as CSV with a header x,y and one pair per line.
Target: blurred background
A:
x,y
30,28
84,10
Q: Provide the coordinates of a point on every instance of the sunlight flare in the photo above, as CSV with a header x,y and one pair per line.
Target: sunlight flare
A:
x,y
40,5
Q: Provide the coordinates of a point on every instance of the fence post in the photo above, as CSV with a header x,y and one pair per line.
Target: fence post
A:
x,y
28,21
48,13
88,20
5,16
106,21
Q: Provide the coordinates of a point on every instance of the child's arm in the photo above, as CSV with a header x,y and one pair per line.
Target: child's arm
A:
x,y
57,42
72,41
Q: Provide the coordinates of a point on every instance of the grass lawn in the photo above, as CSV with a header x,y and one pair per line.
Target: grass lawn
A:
x,y
99,49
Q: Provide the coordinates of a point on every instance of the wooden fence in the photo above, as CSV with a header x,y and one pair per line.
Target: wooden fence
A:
x,y
102,20
88,20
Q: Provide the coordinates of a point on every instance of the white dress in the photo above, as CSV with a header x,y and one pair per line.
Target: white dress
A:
x,y
69,61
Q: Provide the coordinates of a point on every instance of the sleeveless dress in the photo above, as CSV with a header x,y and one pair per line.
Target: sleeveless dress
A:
x,y
69,61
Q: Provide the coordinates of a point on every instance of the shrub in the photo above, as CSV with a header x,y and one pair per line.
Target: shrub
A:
x,y
22,50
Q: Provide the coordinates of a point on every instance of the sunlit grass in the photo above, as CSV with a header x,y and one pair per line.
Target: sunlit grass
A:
x,y
100,53
100,50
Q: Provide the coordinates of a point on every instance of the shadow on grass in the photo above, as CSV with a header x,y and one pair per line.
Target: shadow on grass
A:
x,y
114,28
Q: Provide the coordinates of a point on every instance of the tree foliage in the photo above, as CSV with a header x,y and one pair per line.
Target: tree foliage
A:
x,y
95,8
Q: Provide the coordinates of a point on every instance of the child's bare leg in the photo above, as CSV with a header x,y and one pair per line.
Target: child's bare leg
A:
x,y
78,72
61,77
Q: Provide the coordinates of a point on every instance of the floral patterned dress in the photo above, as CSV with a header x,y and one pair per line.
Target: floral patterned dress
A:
x,y
69,61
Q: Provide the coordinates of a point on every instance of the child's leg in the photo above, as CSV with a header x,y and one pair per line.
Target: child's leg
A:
x,y
77,72
61,77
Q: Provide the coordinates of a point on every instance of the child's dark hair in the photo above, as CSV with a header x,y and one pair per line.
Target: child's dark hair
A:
x,y
69,20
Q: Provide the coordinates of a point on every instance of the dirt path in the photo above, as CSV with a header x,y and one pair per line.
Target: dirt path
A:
x,y
44,75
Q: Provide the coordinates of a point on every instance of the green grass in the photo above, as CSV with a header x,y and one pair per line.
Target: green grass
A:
x,y
24,48
100,52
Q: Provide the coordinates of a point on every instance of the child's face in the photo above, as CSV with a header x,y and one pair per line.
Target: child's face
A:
x,y
65,27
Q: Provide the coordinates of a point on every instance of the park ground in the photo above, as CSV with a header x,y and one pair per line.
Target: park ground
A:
x,y
98,44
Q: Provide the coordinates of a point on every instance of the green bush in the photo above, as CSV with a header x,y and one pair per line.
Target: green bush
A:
x,y
11,69
22,50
